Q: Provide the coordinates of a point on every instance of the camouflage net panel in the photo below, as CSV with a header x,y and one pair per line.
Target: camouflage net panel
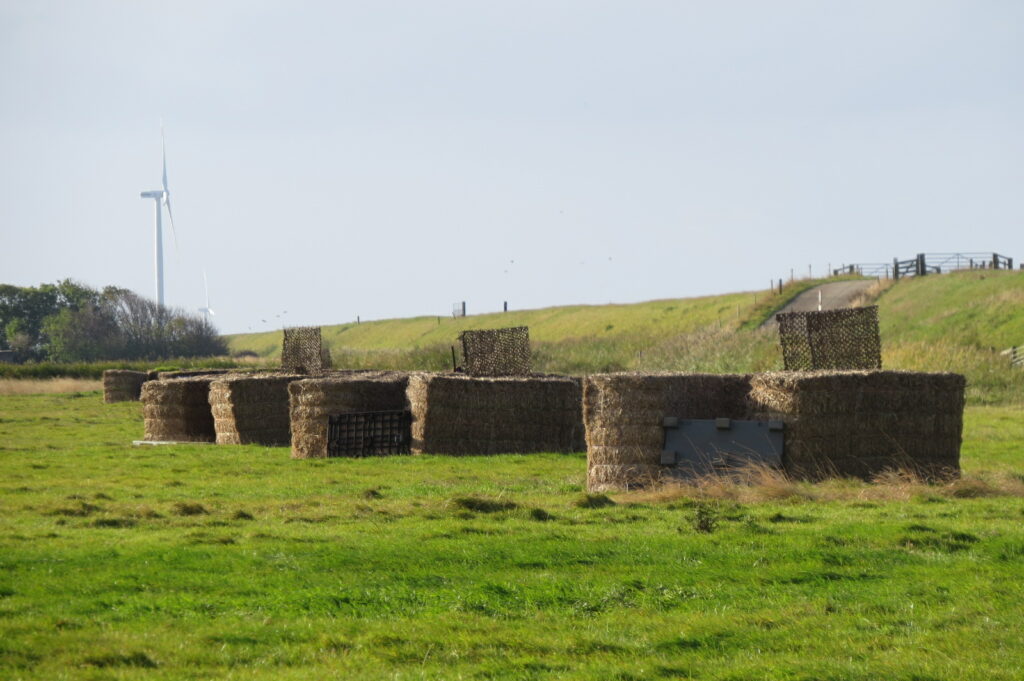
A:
x,y
302,351
831,339
496,352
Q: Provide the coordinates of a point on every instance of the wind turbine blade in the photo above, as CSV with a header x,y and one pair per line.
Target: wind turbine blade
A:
x,y
170,219
167,192
206,287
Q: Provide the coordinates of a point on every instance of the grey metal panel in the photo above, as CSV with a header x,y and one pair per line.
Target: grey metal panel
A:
x,y
706,446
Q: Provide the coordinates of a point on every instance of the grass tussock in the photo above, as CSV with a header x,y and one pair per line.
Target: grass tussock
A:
x,y
48,386
186,508
483,505
765,485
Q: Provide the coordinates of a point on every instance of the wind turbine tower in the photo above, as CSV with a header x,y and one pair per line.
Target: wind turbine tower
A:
x,y
161,198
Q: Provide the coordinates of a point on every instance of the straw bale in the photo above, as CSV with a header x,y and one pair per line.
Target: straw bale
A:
x,y
458,414
861,423
618,478
623,414
313,400
252,409
178,409
122,385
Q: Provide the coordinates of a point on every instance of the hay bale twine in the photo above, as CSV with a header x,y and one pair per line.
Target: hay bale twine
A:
x,y
623,416
122,385
252,408
459,414
862,423
178,410
313,400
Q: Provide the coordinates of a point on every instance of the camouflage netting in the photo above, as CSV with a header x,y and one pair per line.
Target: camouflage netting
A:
x,y
830,339
496,352
303,352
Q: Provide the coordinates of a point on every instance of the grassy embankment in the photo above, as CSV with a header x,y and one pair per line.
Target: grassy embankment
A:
x,y
237,562
956,322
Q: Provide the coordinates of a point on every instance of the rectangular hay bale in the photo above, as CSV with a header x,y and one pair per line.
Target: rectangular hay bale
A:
x,y
461,415
862,423
313,400
623,416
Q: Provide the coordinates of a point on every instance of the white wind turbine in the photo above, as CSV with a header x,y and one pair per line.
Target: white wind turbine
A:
x,y
207,311
161,197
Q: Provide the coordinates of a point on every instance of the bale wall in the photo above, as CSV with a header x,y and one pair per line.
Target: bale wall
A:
x,y
178,410
252,409
861,423
313,400
121,385
623,414
458,414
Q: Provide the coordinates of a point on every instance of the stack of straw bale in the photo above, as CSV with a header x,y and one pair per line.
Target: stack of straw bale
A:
x,y
458,414
122,385
313,400
252,408
178,410
624,416
861,423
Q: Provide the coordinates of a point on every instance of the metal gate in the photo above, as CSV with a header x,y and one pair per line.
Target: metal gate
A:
x,y
369,433
697,447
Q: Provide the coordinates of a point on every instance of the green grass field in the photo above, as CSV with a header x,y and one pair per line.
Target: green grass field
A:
x,y
206,562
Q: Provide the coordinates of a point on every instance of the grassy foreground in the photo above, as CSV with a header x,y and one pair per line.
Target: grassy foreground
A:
x,y
200,562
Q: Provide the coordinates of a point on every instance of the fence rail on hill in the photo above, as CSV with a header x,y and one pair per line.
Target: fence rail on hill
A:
x,y
928,263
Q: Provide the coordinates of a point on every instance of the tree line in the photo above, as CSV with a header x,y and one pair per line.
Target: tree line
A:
x,y
71,322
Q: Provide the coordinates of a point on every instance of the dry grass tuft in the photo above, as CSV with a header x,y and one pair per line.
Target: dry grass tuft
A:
x,y
47,386
762,484
189,508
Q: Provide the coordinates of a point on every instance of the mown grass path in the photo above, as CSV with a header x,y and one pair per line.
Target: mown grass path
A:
x,y
199,562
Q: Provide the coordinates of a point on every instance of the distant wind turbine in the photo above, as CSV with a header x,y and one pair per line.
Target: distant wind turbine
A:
x,y
207,311
161,197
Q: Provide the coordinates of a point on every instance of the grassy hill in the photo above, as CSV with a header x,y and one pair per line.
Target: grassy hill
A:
x,y
955,322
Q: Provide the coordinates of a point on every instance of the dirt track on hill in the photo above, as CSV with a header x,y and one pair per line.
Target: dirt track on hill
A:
x,y
834,296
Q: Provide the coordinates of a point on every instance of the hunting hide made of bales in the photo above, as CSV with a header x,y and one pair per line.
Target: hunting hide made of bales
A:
x,y
624,416
458,414
496,352
862,423
313,400
178,410
122,385
252,409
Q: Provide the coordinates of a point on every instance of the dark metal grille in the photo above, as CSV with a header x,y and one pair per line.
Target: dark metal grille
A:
x,y
496,352
302,351
369,433
831,339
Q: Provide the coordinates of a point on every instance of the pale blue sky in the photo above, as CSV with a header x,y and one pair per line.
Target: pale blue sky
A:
x,y
382,159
